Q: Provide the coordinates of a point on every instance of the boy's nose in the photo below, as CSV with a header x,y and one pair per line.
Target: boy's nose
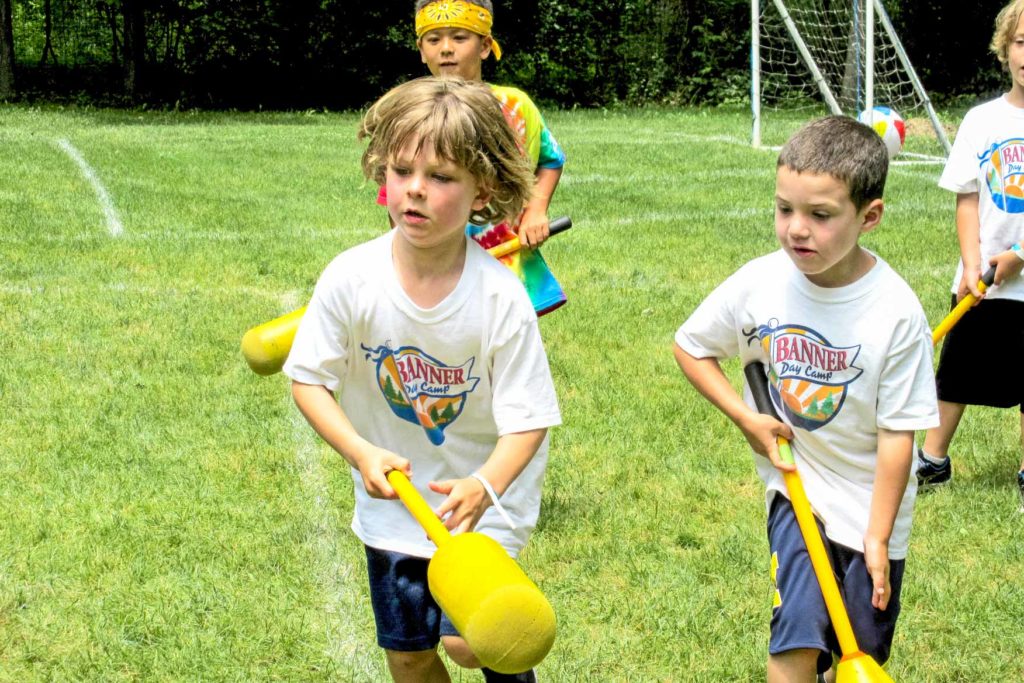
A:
x,y
797,226
416,186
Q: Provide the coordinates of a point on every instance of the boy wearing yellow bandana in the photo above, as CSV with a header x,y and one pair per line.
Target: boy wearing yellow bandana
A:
x,y
454,38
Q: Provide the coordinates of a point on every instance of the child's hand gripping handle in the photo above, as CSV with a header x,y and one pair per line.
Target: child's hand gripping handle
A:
x,y
560,224
963,306
419,508
758,382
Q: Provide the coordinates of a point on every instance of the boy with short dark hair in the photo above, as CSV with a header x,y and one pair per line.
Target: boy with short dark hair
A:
x,y
850,370
984,169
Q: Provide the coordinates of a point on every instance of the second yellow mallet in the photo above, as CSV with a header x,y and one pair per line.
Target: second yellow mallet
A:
x,y
506,621
854,666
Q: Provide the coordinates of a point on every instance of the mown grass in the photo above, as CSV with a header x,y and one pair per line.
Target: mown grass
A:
x,y
167,515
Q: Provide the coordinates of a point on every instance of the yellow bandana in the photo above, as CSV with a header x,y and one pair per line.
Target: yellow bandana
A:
x,y
456,14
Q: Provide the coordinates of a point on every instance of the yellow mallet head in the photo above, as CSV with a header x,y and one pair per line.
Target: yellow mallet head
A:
x,y
506,621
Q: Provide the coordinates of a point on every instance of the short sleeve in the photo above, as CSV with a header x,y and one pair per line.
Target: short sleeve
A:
x,y
960,174
523,391
710,331
319,351
906,386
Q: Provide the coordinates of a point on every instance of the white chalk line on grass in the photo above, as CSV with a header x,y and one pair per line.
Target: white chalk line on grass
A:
x,y
341,235
338,578
679,216
114,226
135,289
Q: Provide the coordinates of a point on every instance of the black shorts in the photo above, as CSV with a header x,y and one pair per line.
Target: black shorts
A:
x,y
981,362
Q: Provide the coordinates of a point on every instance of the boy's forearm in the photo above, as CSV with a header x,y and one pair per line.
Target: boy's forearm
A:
x,y
706,375
968,229
544,189
327,418
892,471
511,454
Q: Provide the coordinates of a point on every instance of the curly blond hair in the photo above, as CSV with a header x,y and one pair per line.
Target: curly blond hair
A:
x,y
464,124
1006,29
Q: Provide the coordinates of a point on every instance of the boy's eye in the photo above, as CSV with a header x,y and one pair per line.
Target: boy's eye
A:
x,y
442,178
399,170
784,210
821,215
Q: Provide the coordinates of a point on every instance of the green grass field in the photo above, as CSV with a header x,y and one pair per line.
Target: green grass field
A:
x,y
167,515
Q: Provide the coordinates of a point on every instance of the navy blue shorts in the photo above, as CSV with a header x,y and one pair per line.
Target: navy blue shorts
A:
x,y
407,617
800,619
980,360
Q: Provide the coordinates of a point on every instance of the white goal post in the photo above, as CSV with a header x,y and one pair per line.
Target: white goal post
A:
x,y
840,55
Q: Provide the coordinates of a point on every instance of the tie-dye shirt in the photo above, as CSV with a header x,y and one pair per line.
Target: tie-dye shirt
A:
x,y
540,146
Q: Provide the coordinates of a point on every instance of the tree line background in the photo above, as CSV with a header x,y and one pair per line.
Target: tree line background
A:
x,y
342,54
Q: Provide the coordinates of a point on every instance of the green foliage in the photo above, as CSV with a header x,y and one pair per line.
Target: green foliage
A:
x,y
341,54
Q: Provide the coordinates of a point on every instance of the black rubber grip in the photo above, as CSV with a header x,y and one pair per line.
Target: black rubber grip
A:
x,y
560,224
758,382
989,276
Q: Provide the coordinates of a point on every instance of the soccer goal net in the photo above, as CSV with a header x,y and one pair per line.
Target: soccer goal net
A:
x,y
834,56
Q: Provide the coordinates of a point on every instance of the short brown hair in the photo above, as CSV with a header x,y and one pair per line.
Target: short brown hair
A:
x,y
464,123
845,149
1006,28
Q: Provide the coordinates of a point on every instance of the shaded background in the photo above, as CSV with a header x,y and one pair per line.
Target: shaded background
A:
x,y
339,54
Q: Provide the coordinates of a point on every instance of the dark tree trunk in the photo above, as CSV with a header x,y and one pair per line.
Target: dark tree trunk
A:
x,y
134,46
48,53
6,51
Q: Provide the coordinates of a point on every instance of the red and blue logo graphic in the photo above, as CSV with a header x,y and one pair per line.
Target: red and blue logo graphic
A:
x,y
421,389
1003,164
808,376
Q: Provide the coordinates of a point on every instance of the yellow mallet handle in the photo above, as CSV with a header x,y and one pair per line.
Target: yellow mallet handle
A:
x,y
962,307
419,508
266,346
758,382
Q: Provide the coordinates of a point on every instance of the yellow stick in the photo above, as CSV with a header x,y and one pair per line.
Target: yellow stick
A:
x,y
419,508
962,307
855,666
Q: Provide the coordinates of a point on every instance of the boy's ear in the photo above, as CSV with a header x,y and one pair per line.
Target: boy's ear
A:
x,y
871,215
485,47
483,198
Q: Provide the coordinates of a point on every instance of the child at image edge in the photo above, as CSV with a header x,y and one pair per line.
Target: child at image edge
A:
x,y
421,352
986,171
849,358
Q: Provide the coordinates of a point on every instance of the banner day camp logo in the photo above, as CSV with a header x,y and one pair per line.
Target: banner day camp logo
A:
x,y
1003,164
421,389
808,377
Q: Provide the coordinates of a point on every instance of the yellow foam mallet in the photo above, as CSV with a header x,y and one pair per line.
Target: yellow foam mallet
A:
x,y
962,307
506,621
266,346
854,666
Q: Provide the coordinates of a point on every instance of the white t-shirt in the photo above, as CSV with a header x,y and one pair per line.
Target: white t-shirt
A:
x,y
437,386
846,362
988,158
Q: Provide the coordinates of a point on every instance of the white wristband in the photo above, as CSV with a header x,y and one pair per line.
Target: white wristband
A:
x,y
494,499
1018,251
